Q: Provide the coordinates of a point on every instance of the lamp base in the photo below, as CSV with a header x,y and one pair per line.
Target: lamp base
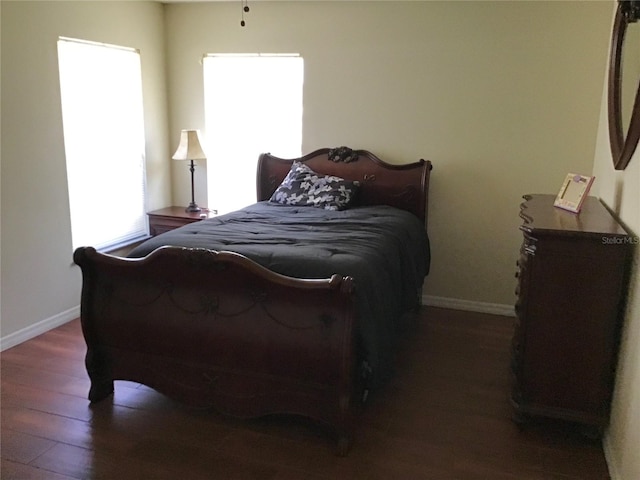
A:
x,y
192,208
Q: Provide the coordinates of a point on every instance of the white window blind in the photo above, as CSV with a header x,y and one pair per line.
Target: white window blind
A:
x,y
102,114
253,104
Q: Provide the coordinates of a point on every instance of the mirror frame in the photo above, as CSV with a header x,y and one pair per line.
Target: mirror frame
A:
x,y
622,146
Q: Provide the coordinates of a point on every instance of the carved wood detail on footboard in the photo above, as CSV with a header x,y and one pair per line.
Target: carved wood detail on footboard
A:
x,y
215,329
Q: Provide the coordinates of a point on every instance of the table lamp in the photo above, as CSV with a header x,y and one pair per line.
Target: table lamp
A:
x,y
190,149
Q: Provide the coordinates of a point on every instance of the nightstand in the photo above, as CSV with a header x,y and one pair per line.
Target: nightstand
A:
x,y
168,218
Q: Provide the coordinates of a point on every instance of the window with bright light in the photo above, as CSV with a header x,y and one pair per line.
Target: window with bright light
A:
x,y
102,116
253,104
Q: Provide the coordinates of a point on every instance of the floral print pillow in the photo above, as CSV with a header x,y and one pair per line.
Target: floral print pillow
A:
x,y
304,187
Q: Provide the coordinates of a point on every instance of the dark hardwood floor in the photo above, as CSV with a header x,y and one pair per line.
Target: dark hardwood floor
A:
x,y
445,415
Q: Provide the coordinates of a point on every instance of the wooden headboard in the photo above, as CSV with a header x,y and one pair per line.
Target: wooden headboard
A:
x,y
401,186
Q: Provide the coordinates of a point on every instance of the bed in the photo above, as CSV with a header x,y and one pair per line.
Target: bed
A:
x,y
279,308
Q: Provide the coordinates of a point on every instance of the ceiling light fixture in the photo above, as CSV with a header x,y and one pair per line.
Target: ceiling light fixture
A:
x,y
245,9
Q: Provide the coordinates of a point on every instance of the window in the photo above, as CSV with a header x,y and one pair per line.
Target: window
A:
x,y
253,104
102,116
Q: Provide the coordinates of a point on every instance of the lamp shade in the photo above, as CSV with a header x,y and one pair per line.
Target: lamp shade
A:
x,y
189,148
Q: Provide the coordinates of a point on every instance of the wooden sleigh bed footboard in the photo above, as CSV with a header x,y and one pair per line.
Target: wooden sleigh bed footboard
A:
x,y
227,334
211,328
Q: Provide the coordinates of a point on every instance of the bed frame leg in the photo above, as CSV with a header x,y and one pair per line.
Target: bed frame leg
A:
x,y
100,390
101,380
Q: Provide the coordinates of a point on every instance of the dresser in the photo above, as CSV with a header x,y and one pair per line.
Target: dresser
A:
x,y
572,281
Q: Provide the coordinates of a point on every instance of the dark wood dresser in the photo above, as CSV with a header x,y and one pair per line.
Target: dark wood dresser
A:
x,y
572,283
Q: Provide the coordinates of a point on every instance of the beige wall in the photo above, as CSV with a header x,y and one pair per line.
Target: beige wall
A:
x,y
38,282
620,190
503,97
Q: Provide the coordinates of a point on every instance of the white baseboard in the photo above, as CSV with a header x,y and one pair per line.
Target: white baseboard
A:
x,y
468,305
36,329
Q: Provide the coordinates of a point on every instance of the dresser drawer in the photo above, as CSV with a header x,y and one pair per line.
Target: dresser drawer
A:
x,y
158,225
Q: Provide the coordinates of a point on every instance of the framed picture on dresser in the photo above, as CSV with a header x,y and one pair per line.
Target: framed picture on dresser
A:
x,y
574,190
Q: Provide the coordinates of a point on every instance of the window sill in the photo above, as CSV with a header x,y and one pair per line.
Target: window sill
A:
x,y
123,249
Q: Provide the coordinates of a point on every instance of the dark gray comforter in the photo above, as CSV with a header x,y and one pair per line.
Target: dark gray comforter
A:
x,y
385,250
